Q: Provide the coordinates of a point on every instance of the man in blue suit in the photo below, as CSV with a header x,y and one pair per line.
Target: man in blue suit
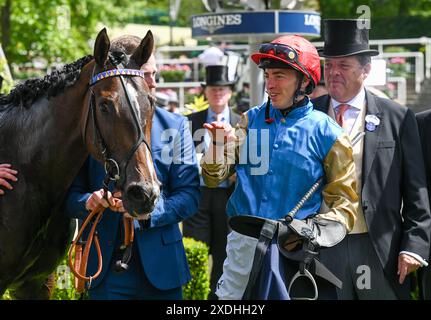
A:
x,y
158,267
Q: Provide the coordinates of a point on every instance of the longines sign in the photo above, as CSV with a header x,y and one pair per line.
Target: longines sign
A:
x,y
256,22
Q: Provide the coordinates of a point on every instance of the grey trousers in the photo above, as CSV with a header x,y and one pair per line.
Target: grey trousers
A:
x,y
356,263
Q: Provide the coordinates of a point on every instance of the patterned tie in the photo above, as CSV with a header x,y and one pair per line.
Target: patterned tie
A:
x,y
341,109
218,117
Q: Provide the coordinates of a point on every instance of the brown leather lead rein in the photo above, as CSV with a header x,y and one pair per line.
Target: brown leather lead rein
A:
x,y
79,265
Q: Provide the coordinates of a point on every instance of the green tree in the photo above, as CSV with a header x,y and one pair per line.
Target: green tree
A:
x,y
157,12
55,29
389,18
379,8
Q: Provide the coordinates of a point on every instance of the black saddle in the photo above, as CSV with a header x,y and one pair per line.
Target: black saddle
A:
x,y
297,240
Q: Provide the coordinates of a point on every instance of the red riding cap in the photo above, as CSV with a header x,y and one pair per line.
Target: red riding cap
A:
x,y
293,50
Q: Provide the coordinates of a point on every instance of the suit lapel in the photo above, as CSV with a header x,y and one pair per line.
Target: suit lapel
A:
x,y
321,103
233,118
371,137
200,119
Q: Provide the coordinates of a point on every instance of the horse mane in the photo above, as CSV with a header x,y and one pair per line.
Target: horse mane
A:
x,y
27,92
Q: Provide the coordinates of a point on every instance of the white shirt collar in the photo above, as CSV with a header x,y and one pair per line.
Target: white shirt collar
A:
x,y
225,114
357,102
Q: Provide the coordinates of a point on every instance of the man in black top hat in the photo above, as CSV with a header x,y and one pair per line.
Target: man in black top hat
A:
x,y
209,224
391,237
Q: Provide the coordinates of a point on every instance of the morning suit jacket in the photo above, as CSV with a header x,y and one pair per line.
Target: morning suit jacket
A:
x,y
160,247
393,177
199,118
424,122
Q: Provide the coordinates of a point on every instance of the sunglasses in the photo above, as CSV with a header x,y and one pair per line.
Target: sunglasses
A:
x,y
279,50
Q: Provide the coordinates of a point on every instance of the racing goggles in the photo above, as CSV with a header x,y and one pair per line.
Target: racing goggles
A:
x,y
280,50
285,52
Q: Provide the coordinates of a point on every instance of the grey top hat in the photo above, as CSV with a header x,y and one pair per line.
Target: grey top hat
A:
x,y
217,75
345,37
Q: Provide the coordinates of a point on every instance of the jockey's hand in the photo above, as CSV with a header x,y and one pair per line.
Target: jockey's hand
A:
x,y
220,132
406,264
6,173
97,200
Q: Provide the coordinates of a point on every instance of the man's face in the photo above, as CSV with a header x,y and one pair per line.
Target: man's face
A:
x,y
150,70
344,77
218,97
280,86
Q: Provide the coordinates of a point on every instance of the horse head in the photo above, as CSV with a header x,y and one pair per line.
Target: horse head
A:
x,y
118,127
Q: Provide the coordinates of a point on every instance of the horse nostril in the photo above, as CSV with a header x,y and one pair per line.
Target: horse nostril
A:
x,y
136,193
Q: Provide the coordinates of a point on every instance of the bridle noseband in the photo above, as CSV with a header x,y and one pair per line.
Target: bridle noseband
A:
x,y
114,171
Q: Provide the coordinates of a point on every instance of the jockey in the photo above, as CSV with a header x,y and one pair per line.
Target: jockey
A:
x,y
278,151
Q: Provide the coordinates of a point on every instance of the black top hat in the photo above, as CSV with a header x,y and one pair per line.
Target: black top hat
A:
x,y
217,75
345,37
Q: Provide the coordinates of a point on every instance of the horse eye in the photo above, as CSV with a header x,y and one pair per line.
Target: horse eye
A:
x,y
104,108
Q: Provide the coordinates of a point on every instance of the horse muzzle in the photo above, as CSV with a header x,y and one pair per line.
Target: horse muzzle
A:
x,y
140,199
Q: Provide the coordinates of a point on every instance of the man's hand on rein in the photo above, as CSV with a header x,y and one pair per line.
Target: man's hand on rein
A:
x,y
97,200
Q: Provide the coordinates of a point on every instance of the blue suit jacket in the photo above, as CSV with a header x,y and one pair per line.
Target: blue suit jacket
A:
x,y
160,247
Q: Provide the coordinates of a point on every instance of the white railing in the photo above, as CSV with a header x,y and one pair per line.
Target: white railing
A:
x,y
419,64
168,49
422,61
401,89
180,86
380,43
194,62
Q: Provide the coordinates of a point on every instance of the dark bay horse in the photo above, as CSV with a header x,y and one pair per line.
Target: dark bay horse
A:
x,y
48,127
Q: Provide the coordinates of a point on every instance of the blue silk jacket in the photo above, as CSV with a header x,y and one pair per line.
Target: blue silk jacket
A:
x,y
277,161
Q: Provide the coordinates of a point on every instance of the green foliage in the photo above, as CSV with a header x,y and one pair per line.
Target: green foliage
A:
x,y
173,75
57,30
199,104
6,296
7,83
64,279
157,12
389,18
24,74
400,27
197,257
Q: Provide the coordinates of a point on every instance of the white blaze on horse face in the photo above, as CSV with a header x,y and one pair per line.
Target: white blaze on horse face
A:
x,y
150,165
133,95
134,100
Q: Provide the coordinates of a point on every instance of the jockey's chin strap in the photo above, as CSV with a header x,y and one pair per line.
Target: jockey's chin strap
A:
x,y
285,111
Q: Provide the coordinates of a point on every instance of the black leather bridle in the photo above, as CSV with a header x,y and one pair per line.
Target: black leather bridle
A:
x,y
116,171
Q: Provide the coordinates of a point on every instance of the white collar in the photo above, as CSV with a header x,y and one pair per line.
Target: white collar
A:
x,y
225,113
357,102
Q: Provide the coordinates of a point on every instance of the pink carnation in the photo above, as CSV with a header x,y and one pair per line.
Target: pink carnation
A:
x,y
397,60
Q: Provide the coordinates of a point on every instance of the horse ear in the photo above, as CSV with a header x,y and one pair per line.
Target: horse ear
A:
x,y
101,47
145,49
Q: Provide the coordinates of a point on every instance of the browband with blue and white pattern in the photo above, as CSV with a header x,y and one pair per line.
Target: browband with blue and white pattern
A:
x,y
116,72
